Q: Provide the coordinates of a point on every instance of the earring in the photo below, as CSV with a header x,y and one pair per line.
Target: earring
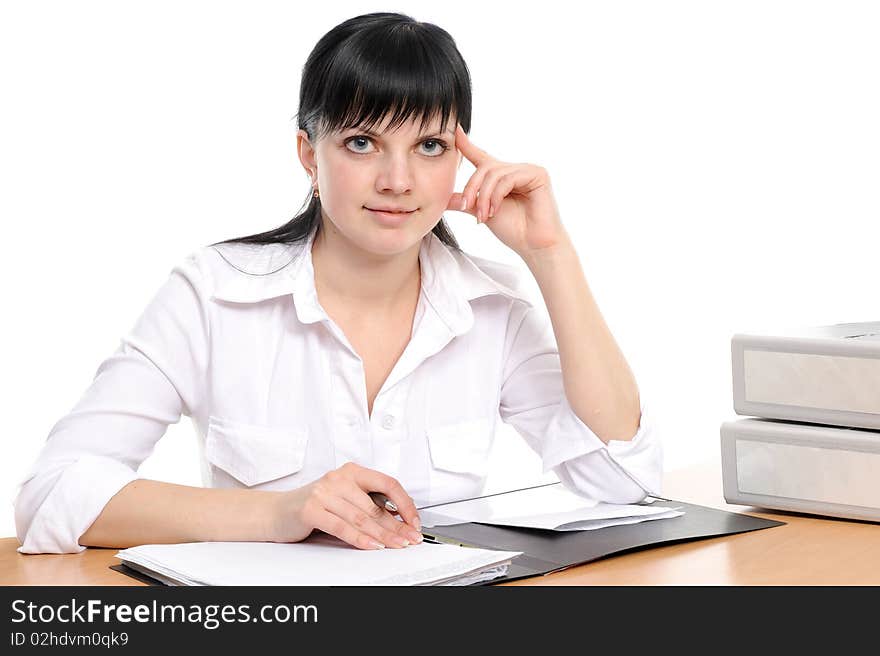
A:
x,y
317,193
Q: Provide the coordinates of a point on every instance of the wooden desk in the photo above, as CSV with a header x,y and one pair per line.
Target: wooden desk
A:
x,y
806,551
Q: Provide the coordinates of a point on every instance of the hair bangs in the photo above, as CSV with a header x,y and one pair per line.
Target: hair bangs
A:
x,y
390,73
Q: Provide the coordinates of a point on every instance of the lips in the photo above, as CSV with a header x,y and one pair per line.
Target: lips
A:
x,y
390,210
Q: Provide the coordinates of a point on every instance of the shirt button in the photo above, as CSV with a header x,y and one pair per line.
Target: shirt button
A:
x,y
388,422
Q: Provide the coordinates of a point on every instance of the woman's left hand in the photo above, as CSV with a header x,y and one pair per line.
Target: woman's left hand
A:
x,y
515,201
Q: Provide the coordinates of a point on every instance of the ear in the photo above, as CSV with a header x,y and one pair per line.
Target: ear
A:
x,y
306,153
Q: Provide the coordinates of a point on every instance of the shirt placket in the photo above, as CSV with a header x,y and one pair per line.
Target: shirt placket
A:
x,y
352,428
388,428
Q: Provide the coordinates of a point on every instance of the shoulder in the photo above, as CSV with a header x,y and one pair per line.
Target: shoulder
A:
x,y
501,272
240,271
248,259
482,276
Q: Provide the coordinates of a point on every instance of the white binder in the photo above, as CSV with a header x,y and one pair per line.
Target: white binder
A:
x,y
821,375
823,470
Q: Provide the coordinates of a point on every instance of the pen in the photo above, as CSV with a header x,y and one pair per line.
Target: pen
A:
x,y
383,502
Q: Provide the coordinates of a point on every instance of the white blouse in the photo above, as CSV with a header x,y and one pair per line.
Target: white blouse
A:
x,y
236,340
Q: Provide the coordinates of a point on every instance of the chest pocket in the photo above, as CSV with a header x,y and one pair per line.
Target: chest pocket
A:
x,y
462,447
255,454
459,459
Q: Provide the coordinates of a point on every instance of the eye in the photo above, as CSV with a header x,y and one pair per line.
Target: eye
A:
x,y
439,148
359,139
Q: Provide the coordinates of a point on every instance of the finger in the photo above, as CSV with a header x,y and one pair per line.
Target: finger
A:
x,y
487,188
458,203
370,480
335,525
471,189
454,203
400,532
327,510
505,184
475,155
368,519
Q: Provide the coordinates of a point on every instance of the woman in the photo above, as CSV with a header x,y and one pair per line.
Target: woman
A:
x,y
355,349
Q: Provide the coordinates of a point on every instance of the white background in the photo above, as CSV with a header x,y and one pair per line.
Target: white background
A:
x,y
716,164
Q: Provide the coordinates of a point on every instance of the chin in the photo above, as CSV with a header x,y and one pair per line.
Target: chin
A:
x,y
371,235
390,242
410,230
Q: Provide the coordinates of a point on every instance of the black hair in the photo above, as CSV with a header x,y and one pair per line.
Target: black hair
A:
x,y
364,69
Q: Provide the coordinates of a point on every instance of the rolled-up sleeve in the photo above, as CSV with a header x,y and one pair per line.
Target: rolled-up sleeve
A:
x,y
153,378
533,401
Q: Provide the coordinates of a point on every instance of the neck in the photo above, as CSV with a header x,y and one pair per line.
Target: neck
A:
x,y
359,279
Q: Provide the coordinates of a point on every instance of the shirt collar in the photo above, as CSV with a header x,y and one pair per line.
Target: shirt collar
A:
x,y
250,273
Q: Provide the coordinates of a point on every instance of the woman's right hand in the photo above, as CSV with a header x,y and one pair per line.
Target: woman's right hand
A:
x,y
338,503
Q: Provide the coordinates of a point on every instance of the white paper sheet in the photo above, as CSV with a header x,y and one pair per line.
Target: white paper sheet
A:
x,y
321,560
549,507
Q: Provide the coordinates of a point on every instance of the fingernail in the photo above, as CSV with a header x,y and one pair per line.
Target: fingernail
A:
x,y
378,545
415,537
417,523
402,542
463,203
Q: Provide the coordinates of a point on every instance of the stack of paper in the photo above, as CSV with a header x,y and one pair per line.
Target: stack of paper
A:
x,y
320,560
549,507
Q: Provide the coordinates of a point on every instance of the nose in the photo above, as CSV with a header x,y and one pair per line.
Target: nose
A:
x,y
394,175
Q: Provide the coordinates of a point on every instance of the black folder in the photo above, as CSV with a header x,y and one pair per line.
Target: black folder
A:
x,y
546,551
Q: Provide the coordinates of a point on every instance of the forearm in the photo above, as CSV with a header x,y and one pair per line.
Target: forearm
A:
x,y
599,385
155,512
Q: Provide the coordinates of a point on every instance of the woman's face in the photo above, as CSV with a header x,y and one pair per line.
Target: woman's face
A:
x,y
359,173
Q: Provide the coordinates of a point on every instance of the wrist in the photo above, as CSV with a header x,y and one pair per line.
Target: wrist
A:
x,y
283,520
272,512
545,259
